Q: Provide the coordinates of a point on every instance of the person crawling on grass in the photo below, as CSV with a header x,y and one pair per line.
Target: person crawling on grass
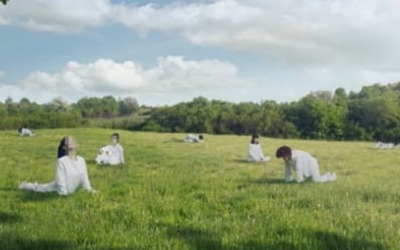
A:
x,y
194,138
112,154
255,153
24,132
303,164
71,173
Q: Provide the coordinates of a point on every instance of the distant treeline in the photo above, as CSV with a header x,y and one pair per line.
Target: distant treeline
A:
x,y
371,114
59,114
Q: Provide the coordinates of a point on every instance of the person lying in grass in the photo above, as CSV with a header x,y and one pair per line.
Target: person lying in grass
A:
x,y
303,164
112,154
194,138
255,152
71,173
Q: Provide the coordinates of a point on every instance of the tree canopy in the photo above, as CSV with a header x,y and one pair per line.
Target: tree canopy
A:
x,y
371,114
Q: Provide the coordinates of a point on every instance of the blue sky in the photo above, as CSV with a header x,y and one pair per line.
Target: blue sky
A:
x,y
164,52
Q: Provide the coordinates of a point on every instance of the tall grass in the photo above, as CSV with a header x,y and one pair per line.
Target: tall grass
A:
x,y
172,195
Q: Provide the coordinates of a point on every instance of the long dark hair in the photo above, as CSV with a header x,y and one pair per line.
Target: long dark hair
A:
x,y
61,148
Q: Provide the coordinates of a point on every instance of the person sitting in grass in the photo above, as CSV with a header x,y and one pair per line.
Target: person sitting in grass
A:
x,y
303,164
255,152
194,138
112,154
71,173
24,132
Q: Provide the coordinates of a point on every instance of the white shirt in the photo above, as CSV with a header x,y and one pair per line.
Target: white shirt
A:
x,y
25,132
71,174
255,153
304,166
111,154
192,138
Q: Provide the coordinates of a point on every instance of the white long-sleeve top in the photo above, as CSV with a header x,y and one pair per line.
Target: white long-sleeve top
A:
x,y
71,174
111,154
255,153
25,132
192,138
304,166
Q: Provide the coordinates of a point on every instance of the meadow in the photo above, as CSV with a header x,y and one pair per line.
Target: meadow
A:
x,y
172,195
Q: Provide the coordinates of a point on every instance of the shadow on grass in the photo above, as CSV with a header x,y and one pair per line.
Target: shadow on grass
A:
x,y
271,181
37,196
329,240
245,161
11,242
174,140
201,239
196,238
9,218
9,189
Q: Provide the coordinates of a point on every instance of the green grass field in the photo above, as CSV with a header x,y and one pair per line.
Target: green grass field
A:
x,y
172,195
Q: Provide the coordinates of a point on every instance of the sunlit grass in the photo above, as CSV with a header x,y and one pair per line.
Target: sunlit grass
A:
x,y
172,195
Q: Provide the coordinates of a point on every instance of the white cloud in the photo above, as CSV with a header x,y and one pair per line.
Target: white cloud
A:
x,y
172,75
313,32
360,33
319,44
61,16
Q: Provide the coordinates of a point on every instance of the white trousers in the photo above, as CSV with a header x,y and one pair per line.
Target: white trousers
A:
x,y
43,188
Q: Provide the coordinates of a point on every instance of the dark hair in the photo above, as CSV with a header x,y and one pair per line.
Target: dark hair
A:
x,y
61,148
20,129
254,138
116,135
283,152
201,137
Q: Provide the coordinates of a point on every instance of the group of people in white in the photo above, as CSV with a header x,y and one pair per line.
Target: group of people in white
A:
x,y
71,171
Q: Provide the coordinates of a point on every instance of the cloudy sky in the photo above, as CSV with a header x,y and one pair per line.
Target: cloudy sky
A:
x,y
162,52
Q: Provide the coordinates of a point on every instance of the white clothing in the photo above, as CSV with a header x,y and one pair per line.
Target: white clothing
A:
x,y
305,166
256,153
111,154
70,175
25,132
382,145
192,138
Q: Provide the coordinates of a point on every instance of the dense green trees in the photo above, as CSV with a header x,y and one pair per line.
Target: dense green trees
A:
x,y
58,113
371,114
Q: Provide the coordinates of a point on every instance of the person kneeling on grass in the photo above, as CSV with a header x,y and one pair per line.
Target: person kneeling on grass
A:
x,y
112,154
303,164
71,173
255,152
